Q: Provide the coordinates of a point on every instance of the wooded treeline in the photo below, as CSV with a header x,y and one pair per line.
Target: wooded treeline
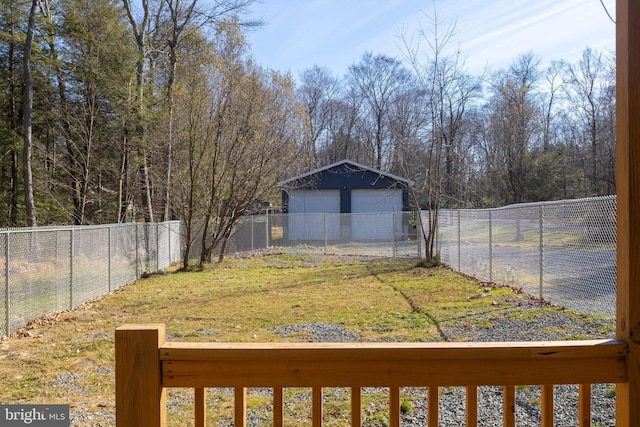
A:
x,y
155,109
521,134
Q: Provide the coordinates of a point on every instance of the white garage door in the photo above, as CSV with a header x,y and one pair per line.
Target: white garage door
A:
x,y
314,201
373,217
314,214
365,201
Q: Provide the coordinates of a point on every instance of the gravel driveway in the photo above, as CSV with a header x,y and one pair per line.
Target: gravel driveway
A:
x,y
555,325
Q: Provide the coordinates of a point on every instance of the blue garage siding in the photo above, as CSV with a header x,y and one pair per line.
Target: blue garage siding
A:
x,y
345,176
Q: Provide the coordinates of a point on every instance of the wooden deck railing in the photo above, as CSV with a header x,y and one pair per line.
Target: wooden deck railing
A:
x,y
146,365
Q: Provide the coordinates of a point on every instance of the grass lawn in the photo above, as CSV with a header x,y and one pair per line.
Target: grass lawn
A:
x,y
69,357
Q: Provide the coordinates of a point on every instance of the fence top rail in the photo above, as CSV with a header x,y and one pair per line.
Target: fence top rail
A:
x,y
538,204
391,364
189,364
577,349
14,230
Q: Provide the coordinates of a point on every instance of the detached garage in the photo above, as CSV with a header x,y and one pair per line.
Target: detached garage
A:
x,y
315,199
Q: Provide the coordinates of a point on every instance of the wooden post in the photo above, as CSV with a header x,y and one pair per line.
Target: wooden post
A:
x,y
140,398
546,392
356,407
509,406
584,405
200,410
240,407
394,406
628,205
316,406
472,406
433,400
278,407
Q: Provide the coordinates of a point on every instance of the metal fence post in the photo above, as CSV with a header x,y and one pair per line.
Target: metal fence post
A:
x,y
7,283
252,236
57,255
459,244
419,232
157,226
490,247
541,248
395,240
137,252
325,232
266,231
169,243
71,250
109,259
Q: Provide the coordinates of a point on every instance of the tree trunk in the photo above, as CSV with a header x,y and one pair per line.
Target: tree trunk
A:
x,y
167,190
123,180
147,187
14,125
13,214
30,210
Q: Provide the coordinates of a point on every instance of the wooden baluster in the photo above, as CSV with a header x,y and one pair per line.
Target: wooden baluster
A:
x,y
509,406
432,404
240,410
278,407
394,406
472,406
200,416
546,395
356,407
316,407
584,405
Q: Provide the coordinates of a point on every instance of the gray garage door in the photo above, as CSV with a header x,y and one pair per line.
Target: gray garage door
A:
x,y
379,226
314,214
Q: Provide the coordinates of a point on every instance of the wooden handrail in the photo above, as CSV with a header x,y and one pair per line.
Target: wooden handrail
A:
x,y
391,364
146,365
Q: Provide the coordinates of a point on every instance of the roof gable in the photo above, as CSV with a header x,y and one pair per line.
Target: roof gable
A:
x,y
345,164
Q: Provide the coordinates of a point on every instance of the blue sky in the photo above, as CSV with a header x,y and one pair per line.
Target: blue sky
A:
x,y
335,33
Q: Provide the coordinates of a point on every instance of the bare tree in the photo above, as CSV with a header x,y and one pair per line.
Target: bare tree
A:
x,y
344,141
184,16
138,133
590,92
193,95
235,135
448,93
408,121
555,82
318,90
513,128
378,79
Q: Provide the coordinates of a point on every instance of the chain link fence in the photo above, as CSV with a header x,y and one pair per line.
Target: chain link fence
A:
x,y
48,270
563,252
381,234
